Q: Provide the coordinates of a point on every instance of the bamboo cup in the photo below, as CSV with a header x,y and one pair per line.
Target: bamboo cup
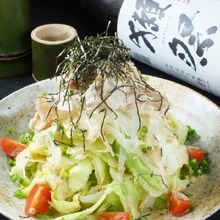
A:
x,y
47,42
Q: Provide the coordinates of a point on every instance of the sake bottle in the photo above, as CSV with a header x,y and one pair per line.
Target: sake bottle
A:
x,y
178,37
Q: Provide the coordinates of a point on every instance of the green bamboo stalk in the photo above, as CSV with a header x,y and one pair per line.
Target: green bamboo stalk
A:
x,y
15,41
15,27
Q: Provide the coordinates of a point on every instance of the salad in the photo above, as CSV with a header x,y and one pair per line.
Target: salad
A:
x,y
105,146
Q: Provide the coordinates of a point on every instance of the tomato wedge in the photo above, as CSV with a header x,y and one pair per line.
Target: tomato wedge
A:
x,y
11,147
113,216
38,200
178,204
195,153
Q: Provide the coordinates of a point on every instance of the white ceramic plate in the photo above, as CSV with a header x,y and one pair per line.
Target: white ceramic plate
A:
x,y
190,107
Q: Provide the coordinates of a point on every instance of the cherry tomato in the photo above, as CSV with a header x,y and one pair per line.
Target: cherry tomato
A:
x,y
178,203
196,153
11,147
113,216
38,200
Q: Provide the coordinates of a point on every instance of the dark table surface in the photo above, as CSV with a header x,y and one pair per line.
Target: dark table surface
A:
x,y
54,11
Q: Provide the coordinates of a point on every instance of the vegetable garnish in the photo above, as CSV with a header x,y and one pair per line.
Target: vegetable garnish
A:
x,y
179,204
195,152
105,145
24,139
113,216
191,135
11,147
38,200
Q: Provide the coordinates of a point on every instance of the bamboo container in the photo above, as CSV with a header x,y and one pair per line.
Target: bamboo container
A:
x,y
47,42
15,43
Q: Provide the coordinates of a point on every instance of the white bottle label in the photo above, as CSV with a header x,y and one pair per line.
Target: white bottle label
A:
x,y
179,37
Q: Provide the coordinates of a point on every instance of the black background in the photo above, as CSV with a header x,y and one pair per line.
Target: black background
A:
x,y
67,12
